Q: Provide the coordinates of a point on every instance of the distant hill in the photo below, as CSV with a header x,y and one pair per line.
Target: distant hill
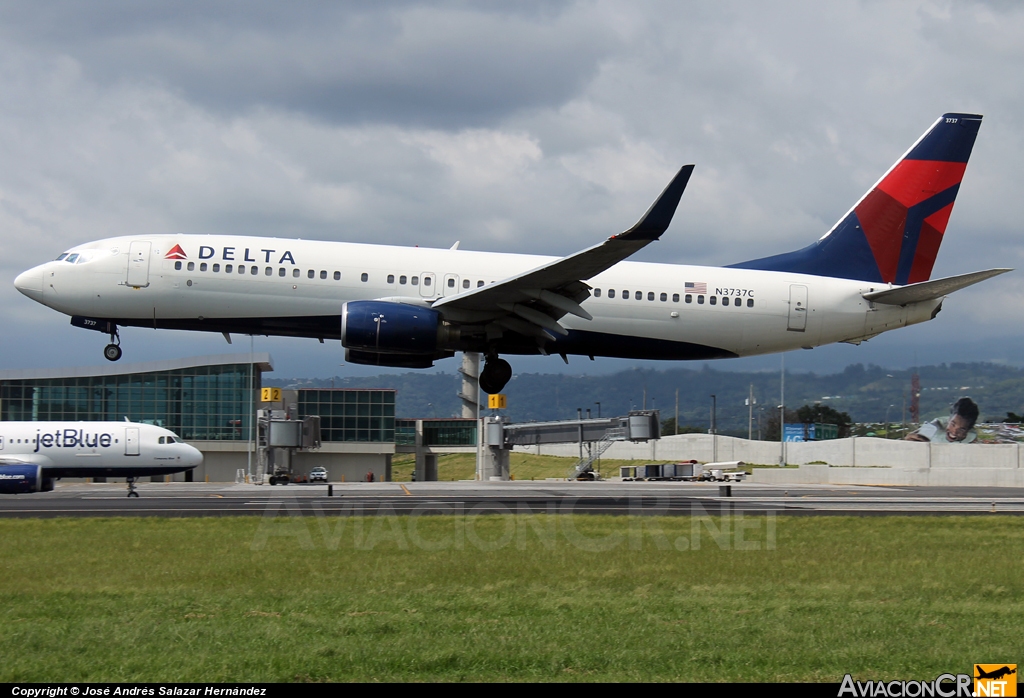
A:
x,y
865,392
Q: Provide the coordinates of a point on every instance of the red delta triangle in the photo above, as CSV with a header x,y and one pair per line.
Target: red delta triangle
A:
x,y
176,253
913,181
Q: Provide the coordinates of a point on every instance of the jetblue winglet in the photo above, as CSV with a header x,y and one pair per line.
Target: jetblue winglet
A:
x,y
656,221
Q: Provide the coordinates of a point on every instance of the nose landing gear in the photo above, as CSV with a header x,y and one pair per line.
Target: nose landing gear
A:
x,y
131,487
496,374
112,352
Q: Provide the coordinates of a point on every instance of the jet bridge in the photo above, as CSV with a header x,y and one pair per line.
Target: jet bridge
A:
x,y
594,436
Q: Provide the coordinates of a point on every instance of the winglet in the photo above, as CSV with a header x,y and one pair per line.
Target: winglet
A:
x,y
655,222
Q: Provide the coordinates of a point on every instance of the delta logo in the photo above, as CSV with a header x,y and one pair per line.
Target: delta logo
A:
x,y
995,680
176,253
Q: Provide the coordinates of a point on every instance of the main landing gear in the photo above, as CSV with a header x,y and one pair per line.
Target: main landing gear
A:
x,y
497,372
131,487
112,352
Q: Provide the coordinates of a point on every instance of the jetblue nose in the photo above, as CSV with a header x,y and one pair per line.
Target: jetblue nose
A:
x,y
31,283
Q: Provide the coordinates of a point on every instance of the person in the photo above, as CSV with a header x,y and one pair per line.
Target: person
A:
x,y
959,428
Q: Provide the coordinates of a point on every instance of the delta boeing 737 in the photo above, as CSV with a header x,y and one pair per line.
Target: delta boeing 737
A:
x,y
407,307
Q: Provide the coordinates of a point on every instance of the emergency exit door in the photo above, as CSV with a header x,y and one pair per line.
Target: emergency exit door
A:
x,y
797,308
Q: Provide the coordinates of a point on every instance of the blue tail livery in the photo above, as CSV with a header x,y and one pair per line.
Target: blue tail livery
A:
x,y
892,235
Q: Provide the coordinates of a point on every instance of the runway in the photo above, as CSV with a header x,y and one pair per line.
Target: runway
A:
x,y
556,497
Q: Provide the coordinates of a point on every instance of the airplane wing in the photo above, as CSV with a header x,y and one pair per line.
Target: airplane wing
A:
x,y
930,290
532,302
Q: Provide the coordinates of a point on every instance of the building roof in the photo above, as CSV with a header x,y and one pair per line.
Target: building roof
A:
x,y
261,360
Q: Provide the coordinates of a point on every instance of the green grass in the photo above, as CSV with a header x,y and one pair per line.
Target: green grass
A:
x,y
191,600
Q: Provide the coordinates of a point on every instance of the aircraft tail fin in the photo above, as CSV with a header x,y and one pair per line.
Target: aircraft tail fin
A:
x,y
892,235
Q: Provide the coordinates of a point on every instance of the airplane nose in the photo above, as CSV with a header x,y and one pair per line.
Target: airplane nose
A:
x,y
31,283
194,456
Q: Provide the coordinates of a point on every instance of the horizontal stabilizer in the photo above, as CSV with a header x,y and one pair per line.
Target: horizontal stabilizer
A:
x,y
930,290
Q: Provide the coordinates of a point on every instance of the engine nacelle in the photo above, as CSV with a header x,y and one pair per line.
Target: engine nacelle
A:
x,y
382,327
372,358
21,479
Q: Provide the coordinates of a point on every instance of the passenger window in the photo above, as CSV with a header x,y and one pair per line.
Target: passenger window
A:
x,y
391,278
202,266
664,297
611,293
191,265
364,277
177,266
426,280
216,267
712,299
323,274
700,300
295,273
281,271
465,283
451,283
310,274
337,276
650,295
625,294
254,270
725,300
479,284
415,281
750,302
597,293
269,271
241,268
402,280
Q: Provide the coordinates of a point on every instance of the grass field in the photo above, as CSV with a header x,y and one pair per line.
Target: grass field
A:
x,y
227,599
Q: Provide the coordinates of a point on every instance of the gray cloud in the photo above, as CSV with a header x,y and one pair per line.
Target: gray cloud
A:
x,y
527,128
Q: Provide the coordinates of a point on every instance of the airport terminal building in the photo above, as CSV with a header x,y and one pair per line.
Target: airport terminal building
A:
x,y
210,401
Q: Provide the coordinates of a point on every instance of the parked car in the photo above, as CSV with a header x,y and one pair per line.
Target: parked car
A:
x,y
318,474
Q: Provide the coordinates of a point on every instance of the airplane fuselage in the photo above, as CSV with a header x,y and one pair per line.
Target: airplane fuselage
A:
x,y
95,449
286,287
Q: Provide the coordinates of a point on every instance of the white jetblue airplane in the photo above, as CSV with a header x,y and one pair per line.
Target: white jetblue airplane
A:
x,y
34,454
407,307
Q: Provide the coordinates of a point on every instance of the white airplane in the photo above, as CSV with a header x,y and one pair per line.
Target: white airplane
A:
x,y
34,454
407,307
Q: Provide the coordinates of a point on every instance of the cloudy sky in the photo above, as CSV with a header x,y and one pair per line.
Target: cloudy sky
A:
x,y
527,127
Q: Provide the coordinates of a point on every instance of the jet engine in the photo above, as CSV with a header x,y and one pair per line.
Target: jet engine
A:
x,y
21,479
384,333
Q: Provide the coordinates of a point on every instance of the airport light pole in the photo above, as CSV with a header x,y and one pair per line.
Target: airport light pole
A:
x,y
714,429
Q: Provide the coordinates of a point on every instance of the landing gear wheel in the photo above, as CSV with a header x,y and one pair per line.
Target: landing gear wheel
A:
x,y
131,487
112,352
496,374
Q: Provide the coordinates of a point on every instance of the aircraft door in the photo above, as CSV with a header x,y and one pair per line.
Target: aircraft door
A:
x,y
131,441
797,308
451,285
138,264
427,289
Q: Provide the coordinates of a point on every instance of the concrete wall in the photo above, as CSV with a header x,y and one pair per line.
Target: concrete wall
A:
x,y
865,460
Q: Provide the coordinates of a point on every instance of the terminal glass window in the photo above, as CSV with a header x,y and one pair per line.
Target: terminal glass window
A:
x,y
350,414
200,403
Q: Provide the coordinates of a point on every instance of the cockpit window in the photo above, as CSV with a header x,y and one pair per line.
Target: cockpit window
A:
x,y
72,258
65,254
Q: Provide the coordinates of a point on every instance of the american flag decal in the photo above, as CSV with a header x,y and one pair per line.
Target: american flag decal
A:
x,y
696,287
